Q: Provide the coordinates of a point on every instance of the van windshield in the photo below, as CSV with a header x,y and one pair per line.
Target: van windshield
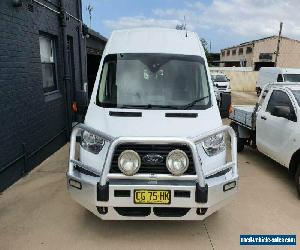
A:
x,y
219,78
156,81
291,77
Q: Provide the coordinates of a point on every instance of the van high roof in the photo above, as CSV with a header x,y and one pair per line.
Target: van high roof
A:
x,y
154,40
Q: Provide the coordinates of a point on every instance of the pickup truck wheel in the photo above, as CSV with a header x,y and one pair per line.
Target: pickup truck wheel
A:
x,y
240,141
297,179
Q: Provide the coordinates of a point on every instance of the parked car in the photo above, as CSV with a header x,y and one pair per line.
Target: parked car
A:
x,y
273,126
270,75
222,91
152,145
221,82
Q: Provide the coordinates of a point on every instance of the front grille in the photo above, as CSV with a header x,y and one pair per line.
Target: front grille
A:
x,y
133,211
158,211
160,149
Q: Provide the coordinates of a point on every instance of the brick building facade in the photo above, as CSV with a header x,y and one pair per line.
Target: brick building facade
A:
x,y
42,71
262,53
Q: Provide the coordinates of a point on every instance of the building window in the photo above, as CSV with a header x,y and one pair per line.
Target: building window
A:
x,y
228,53
47,53
234,52
241,51
249,50
223,53
267,57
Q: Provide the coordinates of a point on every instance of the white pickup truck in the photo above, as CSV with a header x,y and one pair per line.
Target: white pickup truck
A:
x,y
272,125
152,146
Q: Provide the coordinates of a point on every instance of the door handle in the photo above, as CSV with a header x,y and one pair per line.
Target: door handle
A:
x,y
263,118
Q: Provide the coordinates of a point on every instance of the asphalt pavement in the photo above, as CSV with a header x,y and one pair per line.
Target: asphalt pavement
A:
x,y
38,213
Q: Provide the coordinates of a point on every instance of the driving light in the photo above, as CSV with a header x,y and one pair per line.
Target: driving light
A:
x,y
91,142
129,162
229,186
75,184
214,144
177,162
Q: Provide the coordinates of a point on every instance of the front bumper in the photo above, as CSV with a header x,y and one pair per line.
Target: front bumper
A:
x,y
110,196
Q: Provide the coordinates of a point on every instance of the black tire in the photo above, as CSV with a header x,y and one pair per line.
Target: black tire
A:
x,y
240,141
297,179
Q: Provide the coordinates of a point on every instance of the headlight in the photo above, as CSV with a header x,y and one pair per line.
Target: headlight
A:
x,y
214,145
177,162
129,162
91,142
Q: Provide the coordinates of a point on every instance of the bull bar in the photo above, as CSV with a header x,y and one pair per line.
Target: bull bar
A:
x,y
104,175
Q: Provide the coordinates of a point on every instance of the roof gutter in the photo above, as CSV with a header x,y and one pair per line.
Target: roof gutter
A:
x,y
57,12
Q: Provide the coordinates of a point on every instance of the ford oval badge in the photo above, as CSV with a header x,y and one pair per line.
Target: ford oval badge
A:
x,y
153,159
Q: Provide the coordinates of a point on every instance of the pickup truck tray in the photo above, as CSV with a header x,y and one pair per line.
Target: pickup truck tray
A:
x,y
244,115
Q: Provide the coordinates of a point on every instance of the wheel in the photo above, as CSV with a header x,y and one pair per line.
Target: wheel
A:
x,y
297,179
240,141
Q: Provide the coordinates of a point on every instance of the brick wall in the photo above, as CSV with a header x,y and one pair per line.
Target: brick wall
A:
x,y
289,53
244,56
29,117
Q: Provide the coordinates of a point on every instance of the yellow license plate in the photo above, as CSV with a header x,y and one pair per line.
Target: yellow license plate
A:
x,y
152,196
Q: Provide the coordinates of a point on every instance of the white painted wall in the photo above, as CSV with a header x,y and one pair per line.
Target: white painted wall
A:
x,y
241,78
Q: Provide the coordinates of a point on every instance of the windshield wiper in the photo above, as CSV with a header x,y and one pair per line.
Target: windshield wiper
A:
x,y
193,103
165,106
148,106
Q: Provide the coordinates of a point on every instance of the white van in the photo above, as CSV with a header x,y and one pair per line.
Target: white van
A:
x,y
267,75
152,145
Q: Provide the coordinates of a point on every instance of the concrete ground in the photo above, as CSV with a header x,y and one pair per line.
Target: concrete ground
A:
x,y
38,213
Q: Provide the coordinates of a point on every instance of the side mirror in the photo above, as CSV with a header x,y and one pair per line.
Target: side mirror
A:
x,y
228,79
282,111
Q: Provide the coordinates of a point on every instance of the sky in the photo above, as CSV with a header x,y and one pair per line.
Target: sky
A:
x,y
222,23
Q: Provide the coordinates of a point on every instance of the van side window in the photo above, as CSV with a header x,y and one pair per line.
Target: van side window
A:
x,y
279,98
108,82
280,78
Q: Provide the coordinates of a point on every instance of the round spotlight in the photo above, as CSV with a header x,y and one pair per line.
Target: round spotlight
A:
x,y
129,162
177,162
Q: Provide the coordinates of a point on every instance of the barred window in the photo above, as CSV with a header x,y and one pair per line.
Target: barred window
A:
x,y
48,60
249,50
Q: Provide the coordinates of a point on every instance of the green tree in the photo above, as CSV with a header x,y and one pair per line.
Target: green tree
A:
x,y
205,47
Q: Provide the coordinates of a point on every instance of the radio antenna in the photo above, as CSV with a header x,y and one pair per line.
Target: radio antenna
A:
x,y
90,8
185,26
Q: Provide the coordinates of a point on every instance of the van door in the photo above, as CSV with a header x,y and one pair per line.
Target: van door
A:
x,y
273,133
